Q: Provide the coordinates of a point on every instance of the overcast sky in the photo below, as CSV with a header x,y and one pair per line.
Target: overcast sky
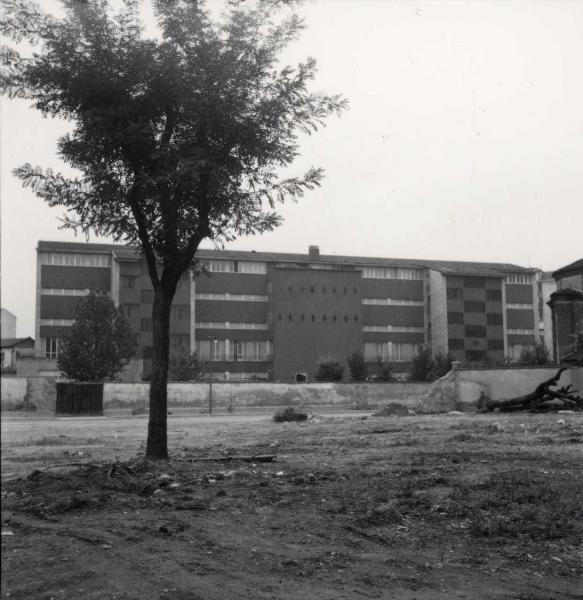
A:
x,y
463,141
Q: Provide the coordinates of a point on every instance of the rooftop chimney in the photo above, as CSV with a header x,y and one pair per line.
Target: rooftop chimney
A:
x,y
314,251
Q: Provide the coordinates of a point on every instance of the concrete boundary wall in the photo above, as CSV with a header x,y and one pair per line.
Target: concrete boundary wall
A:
x,y
256,395
458,390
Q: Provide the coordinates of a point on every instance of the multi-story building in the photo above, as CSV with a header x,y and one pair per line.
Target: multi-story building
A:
x,y
273,316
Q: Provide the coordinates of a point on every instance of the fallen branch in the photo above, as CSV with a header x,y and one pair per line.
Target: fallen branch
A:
x,y
543,399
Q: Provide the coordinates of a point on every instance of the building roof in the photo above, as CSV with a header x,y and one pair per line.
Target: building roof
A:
x,y
12,342
572,269
448,267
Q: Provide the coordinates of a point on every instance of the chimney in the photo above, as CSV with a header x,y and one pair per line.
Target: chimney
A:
x,y
314,251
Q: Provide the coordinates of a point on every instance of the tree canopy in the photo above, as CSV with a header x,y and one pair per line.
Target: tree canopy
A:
x,y
99,343
177,137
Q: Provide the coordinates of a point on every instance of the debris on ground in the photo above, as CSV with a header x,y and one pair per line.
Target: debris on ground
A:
x,y
393,409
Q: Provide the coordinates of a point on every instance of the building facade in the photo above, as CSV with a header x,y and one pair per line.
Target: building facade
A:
x,y
273,316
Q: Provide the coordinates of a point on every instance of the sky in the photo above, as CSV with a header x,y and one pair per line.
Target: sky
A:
x,y
463,141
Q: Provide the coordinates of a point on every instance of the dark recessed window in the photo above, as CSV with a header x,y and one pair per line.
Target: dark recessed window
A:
x,y
474,282
302,317
289,288
346,290
455,293
289,318
494,318
356,290
455,318
333,290
324,318
312,289
494,295
334,318
456,344
323,289
279,316
355,318
346,318
313,318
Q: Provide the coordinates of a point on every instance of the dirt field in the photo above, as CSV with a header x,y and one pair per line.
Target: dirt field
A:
x,y
452,506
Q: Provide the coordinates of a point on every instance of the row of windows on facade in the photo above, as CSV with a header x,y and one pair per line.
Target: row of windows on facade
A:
x,y
390,351
314,318
72,259
130,282
234,350
226,266
457,293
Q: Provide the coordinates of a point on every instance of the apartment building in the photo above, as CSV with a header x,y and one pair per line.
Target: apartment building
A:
x,y
273,316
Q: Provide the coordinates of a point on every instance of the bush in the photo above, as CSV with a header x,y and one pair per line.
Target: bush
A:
x,y
441,365
358,367
330,371
381,371
184,366
534,355
421,366
289,414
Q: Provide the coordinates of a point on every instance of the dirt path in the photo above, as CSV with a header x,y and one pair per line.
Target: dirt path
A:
x,y
433,507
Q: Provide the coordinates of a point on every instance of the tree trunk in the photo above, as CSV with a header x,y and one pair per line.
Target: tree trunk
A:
x,y
157,446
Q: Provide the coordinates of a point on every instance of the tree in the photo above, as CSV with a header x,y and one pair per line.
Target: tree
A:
x,y
383,371
184,366
177,138
330,371
99,343
357,366
535,355
441,365
421,366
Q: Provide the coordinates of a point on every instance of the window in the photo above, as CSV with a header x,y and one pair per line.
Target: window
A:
x,y
475,331
71,259
259,268
494,295
392,328
455,293
147,296
521,332
390,351
494,319
252,350
519,305
63,292
519,278
146,324
474,282
456,344
57,322
324,318
232,297
128,282
51,347
220,266
495,345
235,326
391,273
474,306
455,318
391,302
475,355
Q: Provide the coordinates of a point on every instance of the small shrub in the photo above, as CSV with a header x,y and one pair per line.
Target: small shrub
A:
x,y
289,414
535,355
357,366
330,371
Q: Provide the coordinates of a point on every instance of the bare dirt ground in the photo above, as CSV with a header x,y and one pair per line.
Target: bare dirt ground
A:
x,y
431,507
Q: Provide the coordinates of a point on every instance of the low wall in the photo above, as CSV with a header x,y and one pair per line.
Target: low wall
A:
x,y
461,388
246,395
13,390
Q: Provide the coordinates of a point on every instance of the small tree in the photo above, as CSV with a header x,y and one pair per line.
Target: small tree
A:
x,y
99,343
381,370
184,366
441,365
330,371
535,355
357,366
421,366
